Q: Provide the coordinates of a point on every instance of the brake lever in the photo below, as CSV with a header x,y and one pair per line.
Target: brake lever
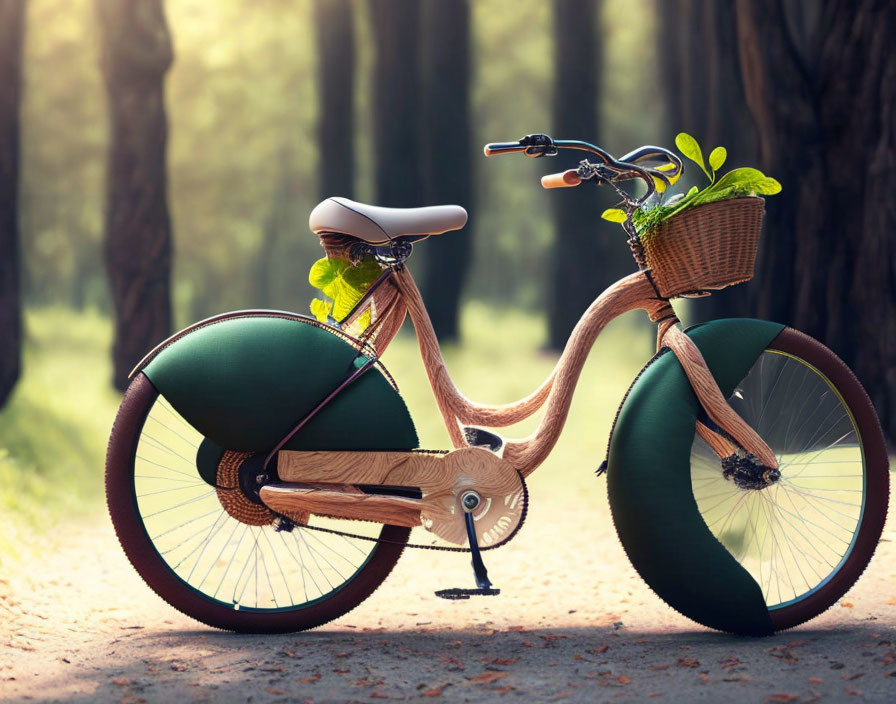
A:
x,y
600,173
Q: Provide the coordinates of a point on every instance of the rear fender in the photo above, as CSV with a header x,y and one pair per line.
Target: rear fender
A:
x,y
245,379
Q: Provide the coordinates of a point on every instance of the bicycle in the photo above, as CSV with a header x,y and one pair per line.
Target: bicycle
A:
x,y
263,473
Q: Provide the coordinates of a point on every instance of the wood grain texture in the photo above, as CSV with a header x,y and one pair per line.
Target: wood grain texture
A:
x,y
630,293
342,501
555,393
711,398
458,407
441,478
719,445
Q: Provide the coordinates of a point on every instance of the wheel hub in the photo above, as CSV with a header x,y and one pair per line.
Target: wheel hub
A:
x,y
748,473
239,479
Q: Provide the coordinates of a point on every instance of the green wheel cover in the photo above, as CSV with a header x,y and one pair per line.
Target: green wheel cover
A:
x,y
245,382
649,483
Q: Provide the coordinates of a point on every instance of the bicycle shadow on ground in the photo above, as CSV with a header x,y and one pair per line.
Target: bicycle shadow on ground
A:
x,y
583,663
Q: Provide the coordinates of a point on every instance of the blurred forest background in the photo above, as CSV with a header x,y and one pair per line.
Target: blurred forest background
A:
x,y
158,160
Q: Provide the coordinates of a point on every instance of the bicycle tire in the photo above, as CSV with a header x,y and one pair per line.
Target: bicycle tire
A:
x,y
664,516
145,554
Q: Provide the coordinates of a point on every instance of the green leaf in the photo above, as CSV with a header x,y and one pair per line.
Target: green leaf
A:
x,y
743,175
320,309
614,215
364,320
767,187
343,304
735,184
688,146
346,284
325,271
717,158
362,276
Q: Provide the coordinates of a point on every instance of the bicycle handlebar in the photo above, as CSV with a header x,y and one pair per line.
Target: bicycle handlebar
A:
x,y
653,165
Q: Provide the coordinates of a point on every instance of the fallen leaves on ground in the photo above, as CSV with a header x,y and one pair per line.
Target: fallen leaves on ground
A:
x,y
433,691
488,677
552,638
730,662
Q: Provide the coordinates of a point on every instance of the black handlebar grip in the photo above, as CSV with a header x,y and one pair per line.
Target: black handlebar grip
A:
x,y
502,148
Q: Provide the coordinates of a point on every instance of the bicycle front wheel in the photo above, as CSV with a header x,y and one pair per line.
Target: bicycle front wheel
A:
x,y
741,556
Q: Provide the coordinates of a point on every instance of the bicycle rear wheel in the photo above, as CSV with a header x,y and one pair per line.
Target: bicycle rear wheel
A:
x,y
738,558
244,576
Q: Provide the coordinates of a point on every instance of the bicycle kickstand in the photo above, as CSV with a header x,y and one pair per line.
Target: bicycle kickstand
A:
x,y
470,501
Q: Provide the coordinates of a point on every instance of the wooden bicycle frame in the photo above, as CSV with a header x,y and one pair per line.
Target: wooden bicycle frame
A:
x,y
324,481
555,393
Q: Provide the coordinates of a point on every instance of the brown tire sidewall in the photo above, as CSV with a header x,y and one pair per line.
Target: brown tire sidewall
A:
x,y
877,479
121,499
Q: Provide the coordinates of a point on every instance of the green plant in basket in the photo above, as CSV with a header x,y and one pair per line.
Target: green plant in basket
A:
x,y
344,284
740,182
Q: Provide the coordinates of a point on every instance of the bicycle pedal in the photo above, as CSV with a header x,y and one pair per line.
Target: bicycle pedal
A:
x,y
455,594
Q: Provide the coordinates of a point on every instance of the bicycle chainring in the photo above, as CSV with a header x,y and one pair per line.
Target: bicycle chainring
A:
x,y
499,487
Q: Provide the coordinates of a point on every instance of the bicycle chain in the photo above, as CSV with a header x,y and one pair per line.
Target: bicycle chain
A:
x,y
420,546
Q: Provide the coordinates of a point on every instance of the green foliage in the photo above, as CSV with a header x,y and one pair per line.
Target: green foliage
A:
x,y
344,283
614,215
744,181
717,158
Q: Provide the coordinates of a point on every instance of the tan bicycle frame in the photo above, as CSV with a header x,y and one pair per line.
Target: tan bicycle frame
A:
x,y
555,393
322,482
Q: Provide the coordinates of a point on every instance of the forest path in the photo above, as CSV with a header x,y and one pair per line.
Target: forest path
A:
x,y
573,623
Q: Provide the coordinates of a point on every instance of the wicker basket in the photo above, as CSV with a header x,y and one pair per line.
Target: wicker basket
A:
x,y
705,248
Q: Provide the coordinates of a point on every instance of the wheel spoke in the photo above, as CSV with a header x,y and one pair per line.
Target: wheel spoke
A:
x,y
791,535
213,553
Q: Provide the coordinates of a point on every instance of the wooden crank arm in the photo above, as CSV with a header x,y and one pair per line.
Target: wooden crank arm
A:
x,y
342,501
715,405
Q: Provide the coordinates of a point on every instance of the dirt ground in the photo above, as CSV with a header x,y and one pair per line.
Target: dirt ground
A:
x,y
573,623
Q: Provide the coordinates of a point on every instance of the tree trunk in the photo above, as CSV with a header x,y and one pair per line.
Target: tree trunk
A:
x,y
12,27
334,20
823,103
136,53
704,97
396,96
578,271
447,149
